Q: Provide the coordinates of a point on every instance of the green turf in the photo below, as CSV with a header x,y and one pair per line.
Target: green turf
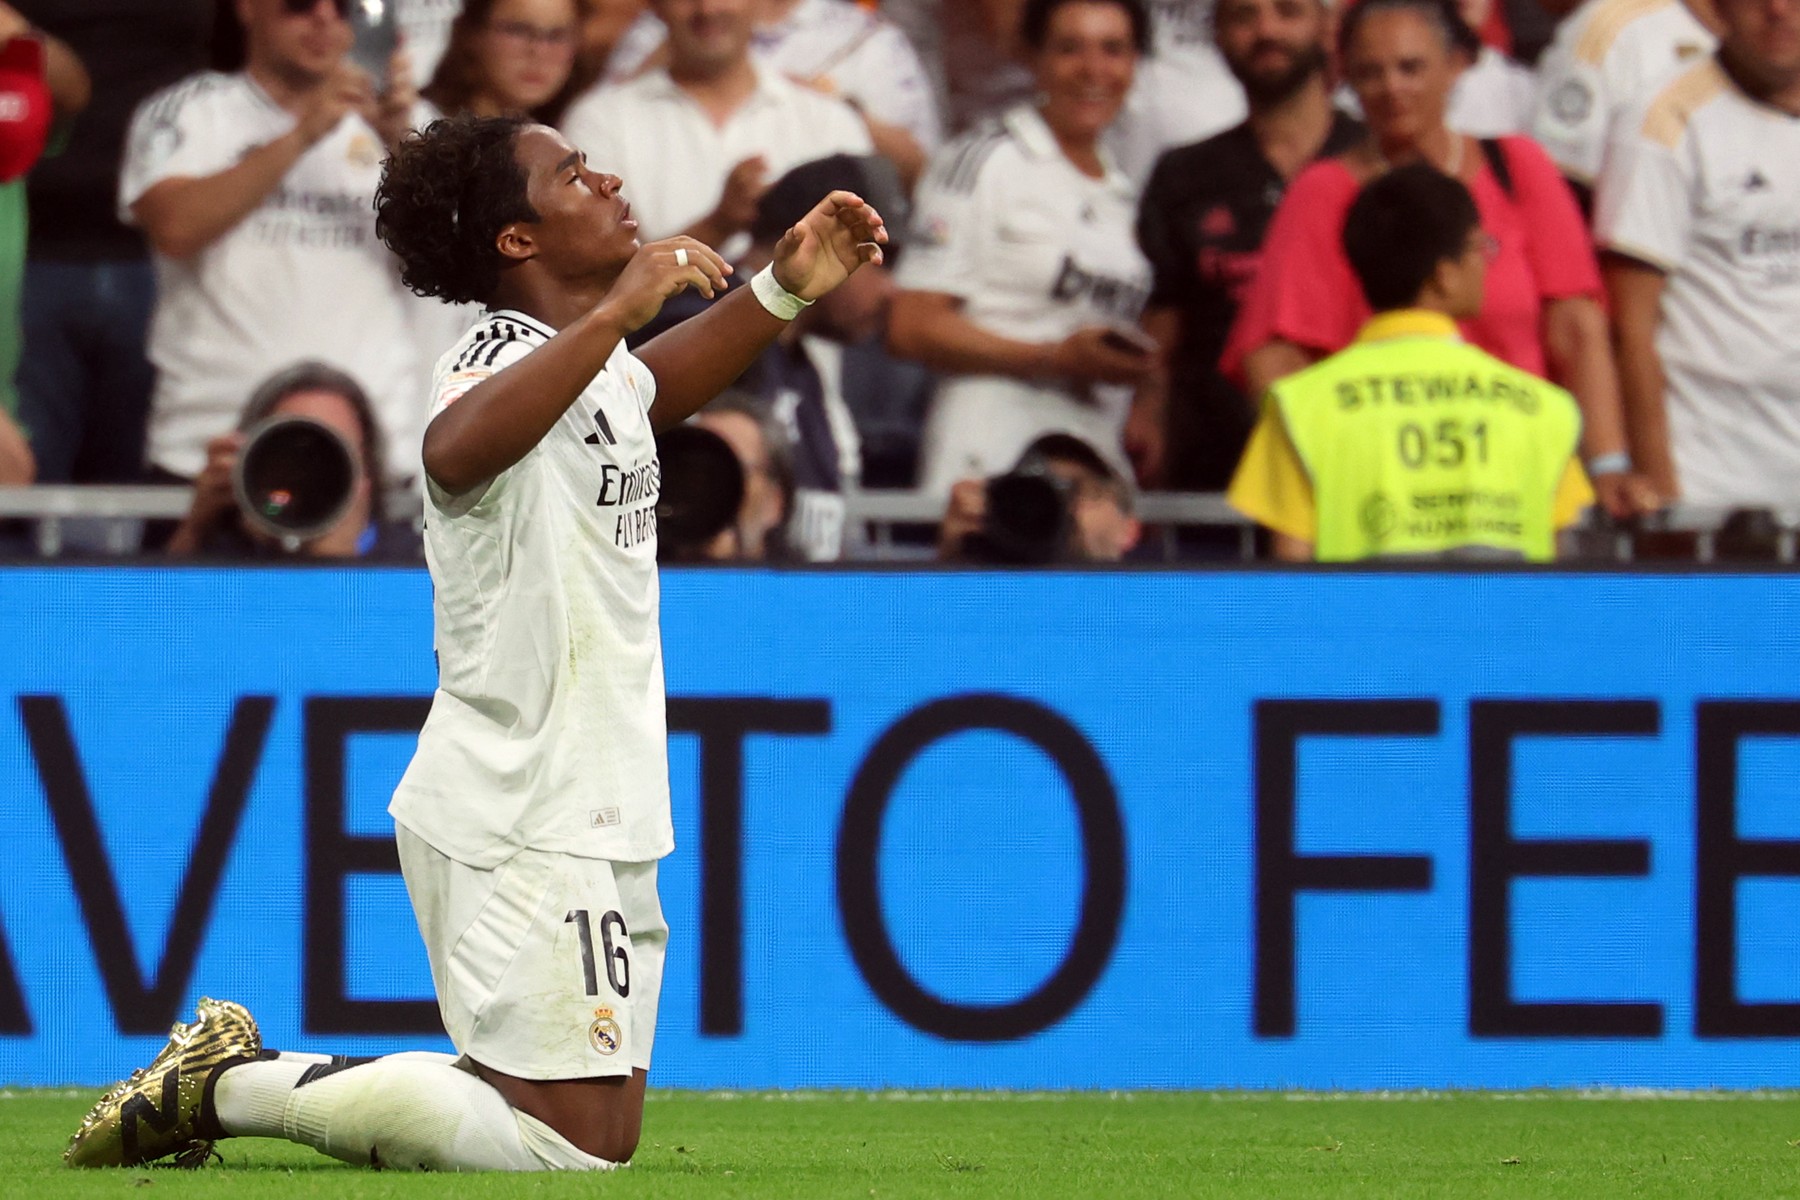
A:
x,y
1065,1144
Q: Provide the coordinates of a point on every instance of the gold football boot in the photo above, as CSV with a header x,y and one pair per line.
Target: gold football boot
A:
x,y
158,1112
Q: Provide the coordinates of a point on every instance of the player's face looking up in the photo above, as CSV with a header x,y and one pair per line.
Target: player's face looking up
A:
x,y
1402,68
303,43
705,36
1084,67
1272,46
584,227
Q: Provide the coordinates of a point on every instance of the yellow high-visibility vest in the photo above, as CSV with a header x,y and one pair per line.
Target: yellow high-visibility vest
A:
x,y
1419,444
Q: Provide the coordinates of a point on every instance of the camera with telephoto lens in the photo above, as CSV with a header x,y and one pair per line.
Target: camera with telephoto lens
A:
x,y
1030,515
294,479
702,491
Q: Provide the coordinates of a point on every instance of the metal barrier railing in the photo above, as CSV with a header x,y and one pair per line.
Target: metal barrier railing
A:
x,y
110,519
878,512
113,513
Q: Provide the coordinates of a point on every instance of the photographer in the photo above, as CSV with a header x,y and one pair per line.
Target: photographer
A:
x,y
727,485
218,524
255,190
1062,503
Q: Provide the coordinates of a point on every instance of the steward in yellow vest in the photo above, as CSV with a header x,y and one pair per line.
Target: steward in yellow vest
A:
x,y
1411,443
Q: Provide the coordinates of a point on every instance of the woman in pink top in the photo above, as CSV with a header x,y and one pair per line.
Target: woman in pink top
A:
x,y
1542,308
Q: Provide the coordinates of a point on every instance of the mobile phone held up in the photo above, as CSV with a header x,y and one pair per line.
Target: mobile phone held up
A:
x,y
1128,341
377,31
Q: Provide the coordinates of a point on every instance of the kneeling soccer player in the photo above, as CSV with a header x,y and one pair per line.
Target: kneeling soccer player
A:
x,y
532,816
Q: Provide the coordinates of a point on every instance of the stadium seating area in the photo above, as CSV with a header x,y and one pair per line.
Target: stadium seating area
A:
x,y
137,338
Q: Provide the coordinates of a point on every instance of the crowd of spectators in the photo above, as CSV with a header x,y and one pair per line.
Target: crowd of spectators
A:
x,y
1118,224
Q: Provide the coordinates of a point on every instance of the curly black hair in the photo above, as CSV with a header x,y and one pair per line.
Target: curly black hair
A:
x,y
444,197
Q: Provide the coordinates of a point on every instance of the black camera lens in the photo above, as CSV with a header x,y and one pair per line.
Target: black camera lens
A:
x,y
295,477
1027,517
702,490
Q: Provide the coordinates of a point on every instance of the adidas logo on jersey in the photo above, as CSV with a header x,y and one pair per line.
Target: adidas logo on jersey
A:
x,y
602,431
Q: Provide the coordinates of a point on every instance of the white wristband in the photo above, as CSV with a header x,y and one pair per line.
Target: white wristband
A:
x,y
777,299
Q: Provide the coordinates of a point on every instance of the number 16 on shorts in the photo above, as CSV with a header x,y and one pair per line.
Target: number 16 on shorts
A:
x,y
614,938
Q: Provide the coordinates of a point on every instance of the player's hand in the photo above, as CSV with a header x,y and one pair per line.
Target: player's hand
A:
x,y
1097,354
655,273
744,188
840,234
344,91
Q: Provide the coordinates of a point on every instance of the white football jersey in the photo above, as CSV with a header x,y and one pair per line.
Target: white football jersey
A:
x,y
1704,183
1035,250
301,276
547,729
1608,56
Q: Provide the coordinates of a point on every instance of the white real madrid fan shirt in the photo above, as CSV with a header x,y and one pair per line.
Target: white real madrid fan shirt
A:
x,y
673,160
1704,183
303,276
547,729
865,58
1608,56
1493,98
1035,250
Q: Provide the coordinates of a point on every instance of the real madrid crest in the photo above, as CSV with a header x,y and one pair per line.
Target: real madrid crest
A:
x,y
605,1033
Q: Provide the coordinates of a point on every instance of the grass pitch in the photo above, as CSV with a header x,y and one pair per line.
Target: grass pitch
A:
x,y
1051,1145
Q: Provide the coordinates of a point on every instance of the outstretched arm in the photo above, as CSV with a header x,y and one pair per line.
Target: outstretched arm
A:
x,y
700,358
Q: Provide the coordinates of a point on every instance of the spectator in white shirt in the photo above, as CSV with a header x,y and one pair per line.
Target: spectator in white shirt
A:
x,y
1699,213
1608,56
1183,92
698,142
256,191
1494,95
844,50
1024,283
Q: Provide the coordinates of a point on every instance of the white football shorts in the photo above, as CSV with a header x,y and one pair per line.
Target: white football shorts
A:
x,y
549,966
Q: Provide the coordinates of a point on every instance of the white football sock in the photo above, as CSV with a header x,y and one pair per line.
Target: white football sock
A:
x,y
413,1111
298,1056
